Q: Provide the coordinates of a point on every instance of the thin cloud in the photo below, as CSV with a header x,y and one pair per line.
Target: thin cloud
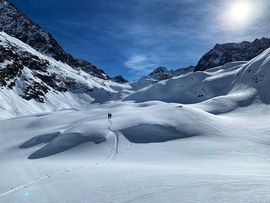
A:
x,y
139,63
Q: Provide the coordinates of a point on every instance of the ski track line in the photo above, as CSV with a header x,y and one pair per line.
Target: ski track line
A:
x,y
114,153
40,179
111,156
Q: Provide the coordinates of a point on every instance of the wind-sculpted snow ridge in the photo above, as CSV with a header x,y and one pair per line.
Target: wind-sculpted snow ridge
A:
x,y
32,82
91,126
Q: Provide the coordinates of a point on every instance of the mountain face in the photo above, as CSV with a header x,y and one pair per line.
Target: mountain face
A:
x,y
16,24
32,82
160,73
230,52
181,71
119,79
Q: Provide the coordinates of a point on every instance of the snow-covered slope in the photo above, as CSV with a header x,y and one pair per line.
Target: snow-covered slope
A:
x,y
32,82
199,157
237,81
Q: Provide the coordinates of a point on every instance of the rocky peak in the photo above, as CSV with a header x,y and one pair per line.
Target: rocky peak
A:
x,y
230,52
159,70
119,79
16,24
160,73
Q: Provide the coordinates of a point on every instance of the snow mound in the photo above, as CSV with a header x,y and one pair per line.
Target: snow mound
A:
x,y
62,143
149,133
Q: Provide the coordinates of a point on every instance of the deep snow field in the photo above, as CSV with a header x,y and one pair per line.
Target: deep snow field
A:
x,y
215,158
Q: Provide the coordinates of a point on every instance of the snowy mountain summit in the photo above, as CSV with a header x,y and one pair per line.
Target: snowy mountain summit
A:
x,y
230,52
16,24
159,74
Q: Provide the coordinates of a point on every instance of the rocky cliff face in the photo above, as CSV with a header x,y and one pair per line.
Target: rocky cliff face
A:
x,y
32,75
230,52
16,24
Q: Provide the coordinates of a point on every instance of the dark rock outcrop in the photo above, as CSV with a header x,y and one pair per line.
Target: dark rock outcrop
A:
x,y
119,79
230,52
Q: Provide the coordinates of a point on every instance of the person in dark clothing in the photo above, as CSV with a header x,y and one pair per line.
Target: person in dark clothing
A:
x,y
109,116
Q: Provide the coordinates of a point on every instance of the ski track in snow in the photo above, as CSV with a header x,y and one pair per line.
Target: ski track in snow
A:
x,y
40,179
115,149
112,155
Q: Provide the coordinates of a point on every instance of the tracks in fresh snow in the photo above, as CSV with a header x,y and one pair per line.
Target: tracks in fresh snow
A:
x,y
115,148
38,180
113,153
110,157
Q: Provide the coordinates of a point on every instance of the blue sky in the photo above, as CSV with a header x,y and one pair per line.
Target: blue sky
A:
x,y
132,37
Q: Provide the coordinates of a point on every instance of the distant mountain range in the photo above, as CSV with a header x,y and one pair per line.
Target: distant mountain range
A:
x,y
159,74
218,56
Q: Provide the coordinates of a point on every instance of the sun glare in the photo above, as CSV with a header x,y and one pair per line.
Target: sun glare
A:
x,y
239,13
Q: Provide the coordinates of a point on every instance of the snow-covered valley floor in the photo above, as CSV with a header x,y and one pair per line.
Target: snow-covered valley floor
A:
x,y
215,158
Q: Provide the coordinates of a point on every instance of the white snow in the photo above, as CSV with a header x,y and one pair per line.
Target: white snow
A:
x,y
201,137
225,160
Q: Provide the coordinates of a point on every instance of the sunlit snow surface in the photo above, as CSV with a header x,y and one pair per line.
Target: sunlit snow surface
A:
x,y
217,148
227,159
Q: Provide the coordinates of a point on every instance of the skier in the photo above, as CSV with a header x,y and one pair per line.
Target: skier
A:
x,y
109,116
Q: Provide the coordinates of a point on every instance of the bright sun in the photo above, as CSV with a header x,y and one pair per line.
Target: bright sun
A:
x,y
239,12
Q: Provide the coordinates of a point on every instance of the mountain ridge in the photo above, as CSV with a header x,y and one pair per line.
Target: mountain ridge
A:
x,y
17,24
230,52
